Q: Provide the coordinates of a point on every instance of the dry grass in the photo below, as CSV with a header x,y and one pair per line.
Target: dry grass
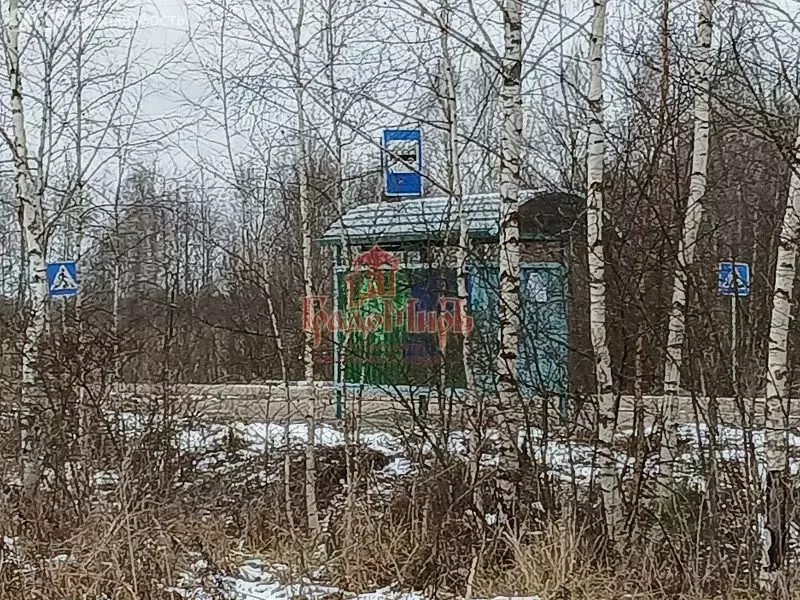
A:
x,y
417,531
123,555
552,564
374,554
135,554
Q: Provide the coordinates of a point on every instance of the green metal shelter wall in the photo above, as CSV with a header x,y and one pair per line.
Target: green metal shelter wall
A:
x,y
402,358
398,357
542,367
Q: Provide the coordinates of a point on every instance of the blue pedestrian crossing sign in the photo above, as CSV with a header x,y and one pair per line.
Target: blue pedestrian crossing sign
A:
x,y
734,279
62,278
402,162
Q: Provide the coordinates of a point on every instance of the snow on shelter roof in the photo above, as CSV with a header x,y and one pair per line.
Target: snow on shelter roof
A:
x,y
542,212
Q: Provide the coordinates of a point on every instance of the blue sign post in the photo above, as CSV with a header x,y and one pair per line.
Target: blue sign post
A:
x,y
734,280
62,279
402,162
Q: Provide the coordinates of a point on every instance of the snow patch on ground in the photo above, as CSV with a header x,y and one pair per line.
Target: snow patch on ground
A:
x,y
9,547
255,580
569,461
398,467
383,442
258,436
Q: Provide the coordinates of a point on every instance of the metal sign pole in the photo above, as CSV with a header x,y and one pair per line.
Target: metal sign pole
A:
x,y
734,281
734,347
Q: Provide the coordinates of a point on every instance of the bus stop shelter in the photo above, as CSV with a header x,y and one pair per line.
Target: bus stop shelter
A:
x,y
396,320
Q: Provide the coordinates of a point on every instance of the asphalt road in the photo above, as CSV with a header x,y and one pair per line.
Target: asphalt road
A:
x,y
270,402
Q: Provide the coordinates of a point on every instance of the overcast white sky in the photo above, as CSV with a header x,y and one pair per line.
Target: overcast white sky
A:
x,y
178,137
166,25
164,33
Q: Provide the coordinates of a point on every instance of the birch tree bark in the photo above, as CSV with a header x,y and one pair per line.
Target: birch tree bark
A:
x,y
84,417
773,524
116,290
606,418
688,241
287,443
308,341
308,287
30,203
457,195
510,161
351,417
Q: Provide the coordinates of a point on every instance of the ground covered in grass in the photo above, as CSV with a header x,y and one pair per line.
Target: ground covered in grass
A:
x,y
185,508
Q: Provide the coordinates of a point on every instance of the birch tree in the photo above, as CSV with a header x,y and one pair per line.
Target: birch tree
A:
x,y
352,418
456,193
279,38
774,524
308,287
606,419
30,206
510,161
687,244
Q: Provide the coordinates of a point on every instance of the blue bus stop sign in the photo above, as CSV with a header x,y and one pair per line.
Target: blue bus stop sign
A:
x,y
402,162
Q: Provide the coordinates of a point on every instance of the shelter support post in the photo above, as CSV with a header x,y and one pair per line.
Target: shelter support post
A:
x,y
338,381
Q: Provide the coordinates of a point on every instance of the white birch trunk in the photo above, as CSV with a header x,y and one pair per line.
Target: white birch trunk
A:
x,y
116,294
773,523
287,457
115,304
84,407
308,288
688,241
606,419
462,250
84,416
350,416
33,233
308,341
510,162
